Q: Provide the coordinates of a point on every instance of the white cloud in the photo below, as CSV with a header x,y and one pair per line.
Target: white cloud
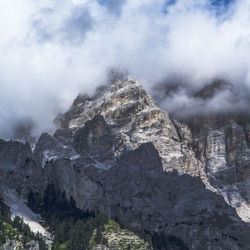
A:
x,y
51,50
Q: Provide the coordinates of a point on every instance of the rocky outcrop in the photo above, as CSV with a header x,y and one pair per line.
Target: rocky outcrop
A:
x,y
134,119
17,168
221,143
95,139
220,136
118,238
13,154
16,245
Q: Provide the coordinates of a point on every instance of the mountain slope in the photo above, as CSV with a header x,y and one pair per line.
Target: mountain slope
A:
x,y
222,144
134,118
117,153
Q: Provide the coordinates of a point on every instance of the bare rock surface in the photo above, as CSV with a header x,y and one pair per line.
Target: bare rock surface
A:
x,y
222,144
134,119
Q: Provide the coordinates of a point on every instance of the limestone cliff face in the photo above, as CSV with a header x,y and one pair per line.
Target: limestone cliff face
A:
x,y
220,139
17,167
133,119
119,154
222,144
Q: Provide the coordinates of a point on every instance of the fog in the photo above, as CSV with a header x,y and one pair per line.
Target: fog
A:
x,y
51,50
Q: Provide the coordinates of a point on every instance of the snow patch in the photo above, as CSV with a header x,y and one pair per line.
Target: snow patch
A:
x,y
19,208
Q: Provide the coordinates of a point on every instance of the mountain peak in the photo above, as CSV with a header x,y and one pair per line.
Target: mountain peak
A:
x,y
134,119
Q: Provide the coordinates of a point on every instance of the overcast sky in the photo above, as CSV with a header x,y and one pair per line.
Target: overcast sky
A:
x,y
53,49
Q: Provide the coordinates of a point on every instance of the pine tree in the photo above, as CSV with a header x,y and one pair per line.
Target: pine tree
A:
x,y
98,237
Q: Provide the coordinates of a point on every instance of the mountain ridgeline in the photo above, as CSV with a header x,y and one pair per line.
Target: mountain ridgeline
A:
x,y
116,156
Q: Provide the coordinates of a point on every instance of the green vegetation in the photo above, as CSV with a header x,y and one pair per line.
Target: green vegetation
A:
x,y
160,241
74,229
117,238
16,230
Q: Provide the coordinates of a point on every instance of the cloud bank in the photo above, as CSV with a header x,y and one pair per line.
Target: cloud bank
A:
x,y
51,50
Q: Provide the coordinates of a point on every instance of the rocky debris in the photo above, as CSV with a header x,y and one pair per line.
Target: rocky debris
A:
x,y
19,208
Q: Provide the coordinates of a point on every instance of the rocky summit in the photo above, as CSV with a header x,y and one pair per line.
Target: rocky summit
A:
x,y
118,154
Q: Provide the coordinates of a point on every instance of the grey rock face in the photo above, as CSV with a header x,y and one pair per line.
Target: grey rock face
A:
x,y
222,144
137,191
13,154
16,165
133,119
94,138
146,157
64,135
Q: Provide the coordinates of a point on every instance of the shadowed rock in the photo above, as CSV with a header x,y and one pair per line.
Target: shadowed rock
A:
x,y
94,138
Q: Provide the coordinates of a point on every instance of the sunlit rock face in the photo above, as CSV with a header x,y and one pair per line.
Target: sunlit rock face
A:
x,y
133,119
222,144
220,138
119,154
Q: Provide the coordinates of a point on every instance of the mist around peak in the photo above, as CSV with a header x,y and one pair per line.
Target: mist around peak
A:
x,y
53,50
